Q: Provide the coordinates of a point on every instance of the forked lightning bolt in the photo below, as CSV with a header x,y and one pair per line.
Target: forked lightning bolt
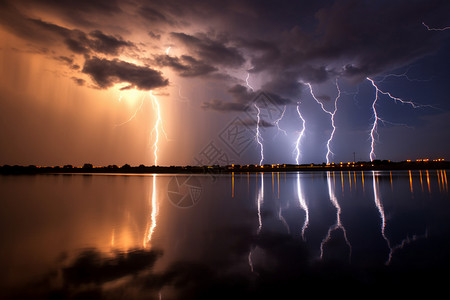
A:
x,y
277,122
373,130
435,29
135,113
332,114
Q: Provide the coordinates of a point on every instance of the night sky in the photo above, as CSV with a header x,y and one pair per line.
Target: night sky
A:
x,y
81,81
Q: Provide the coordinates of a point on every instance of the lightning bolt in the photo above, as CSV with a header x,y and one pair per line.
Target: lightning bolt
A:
x,y
329,152
246,81
168,50
338,224
156,127
374,128
435,29
258,134
300,136
277,123
135,113
332,114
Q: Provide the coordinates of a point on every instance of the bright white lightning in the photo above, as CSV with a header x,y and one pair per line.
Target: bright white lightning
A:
x,y
156,127
246,81
258,134
338,224
329,152
332,114
303,205
168,50
374,128
300,136
435,29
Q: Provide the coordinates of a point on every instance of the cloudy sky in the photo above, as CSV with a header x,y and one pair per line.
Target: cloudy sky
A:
x,y
82,81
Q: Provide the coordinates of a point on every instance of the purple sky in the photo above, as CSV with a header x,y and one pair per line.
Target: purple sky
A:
x,y
77,75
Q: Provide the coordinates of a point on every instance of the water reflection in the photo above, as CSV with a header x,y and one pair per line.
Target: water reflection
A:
x,y
143,237
338,224
303,205
154,205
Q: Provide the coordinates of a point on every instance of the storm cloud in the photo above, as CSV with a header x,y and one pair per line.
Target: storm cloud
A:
x,y
286,45
185,66
105,73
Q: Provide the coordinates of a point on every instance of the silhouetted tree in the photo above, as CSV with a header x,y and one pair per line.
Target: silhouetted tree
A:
x,y
88,166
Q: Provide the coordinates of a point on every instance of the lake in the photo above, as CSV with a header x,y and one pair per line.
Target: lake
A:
x,y
250,235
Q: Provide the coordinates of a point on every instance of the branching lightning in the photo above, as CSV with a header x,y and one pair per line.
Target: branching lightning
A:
x,y
374,128
435,29
277,122
258,134
329,152
332,114
135,113
300,136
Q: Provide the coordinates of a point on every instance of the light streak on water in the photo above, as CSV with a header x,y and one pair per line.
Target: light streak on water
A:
x,y
303,205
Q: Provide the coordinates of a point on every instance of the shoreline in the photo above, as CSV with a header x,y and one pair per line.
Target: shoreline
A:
x,y
126,169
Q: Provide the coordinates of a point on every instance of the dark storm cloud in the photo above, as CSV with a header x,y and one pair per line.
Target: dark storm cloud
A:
x,y
154,16
242,98
105,73
185,66
289,44
82,43
211,51
107,44
80,12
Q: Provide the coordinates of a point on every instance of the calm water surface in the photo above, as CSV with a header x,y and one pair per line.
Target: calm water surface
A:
x,y
259,236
